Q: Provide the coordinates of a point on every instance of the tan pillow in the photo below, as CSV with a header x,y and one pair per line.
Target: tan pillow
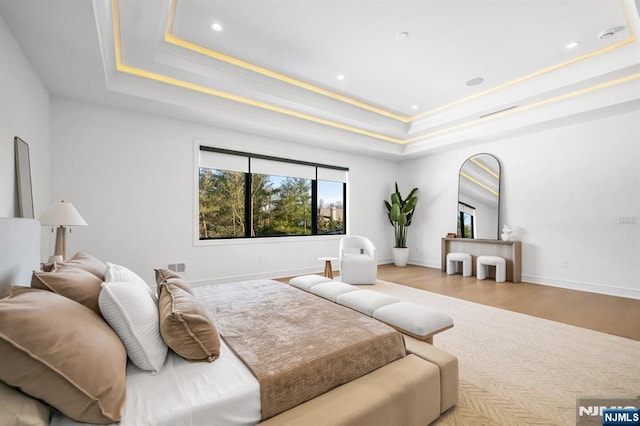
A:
x,y
17,408
163,275
186,325
74,283
88,263
58,351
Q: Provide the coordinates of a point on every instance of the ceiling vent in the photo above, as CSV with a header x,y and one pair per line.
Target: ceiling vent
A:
x,y
499,111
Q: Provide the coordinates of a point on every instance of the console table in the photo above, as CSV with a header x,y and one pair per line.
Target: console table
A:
x,y
511,251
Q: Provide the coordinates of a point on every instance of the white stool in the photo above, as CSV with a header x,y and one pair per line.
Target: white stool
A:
x,y
501,267
453,258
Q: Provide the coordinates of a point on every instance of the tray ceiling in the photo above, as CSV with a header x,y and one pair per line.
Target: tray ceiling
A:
x,y
274,67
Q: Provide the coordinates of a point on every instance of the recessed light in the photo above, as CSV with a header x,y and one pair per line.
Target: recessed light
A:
x,y
414,106
217,27
573,44
475,81
340,77
402,36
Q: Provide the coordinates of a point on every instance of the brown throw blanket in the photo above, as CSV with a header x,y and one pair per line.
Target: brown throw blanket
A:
x,y
298,345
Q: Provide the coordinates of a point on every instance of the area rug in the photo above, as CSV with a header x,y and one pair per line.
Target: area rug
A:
x,y
516,369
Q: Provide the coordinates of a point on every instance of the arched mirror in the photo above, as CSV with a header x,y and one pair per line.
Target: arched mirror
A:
x,y
479,198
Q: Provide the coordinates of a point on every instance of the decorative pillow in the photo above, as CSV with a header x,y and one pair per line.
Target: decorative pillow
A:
x,y
133,314
88,263
185,323
74,283
60,352
119,273
17,408
163,275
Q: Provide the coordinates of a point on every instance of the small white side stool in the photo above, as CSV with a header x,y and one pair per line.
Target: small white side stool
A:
x,y
501,267
453,258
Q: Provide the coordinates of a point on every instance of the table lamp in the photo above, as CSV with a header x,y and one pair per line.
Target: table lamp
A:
x,y
61,215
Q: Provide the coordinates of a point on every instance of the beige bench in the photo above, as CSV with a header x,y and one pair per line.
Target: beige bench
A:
x,y
410,318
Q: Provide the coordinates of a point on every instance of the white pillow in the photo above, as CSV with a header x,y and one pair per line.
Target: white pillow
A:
x,y
133,314
118,273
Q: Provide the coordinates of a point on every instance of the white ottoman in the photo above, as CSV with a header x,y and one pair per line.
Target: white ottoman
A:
x,y
453,258
501,267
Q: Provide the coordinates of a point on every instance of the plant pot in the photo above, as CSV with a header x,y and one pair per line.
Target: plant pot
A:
x,y
400,256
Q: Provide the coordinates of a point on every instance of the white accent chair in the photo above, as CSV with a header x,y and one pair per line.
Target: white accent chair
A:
x,y
357,260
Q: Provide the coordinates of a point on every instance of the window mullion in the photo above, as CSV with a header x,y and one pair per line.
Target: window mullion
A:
x,y
248,207
314,207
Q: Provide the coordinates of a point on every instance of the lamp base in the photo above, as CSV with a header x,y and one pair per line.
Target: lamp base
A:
x,y
61,242
55,259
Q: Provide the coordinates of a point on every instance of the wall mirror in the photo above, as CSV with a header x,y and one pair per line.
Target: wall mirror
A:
x,y
479,198
23,176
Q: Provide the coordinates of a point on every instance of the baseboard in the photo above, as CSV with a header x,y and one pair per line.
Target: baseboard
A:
x,y
425,263
584,286
258,276
534,279
411,261
270,275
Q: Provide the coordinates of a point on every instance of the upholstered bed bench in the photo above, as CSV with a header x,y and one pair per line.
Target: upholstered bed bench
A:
x,y
409,318
416,322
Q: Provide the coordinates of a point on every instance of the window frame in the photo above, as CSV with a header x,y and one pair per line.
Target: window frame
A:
x,y
247,238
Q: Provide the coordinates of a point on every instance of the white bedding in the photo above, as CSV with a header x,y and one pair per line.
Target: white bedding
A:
x,y
187,393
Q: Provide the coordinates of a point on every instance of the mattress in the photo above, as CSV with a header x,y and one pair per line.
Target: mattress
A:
x,y
189,394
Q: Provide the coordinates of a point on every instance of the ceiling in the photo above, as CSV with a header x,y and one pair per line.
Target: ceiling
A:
x,y
273,69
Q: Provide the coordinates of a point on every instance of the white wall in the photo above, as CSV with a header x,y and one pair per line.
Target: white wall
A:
x,y
562,191
24,112
131,176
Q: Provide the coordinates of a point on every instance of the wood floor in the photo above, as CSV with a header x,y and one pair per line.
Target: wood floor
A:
x,y
608,314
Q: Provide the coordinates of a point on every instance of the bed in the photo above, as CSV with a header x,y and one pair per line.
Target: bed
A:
x,y
401,385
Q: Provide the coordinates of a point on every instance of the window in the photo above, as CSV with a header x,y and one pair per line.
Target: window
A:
x,y
330,212
221,203
466,221
281,205
245,195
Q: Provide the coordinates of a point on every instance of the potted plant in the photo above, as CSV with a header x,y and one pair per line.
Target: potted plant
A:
x,y
400,212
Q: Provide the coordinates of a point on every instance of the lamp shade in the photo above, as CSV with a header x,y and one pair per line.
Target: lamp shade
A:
x,y
62,214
